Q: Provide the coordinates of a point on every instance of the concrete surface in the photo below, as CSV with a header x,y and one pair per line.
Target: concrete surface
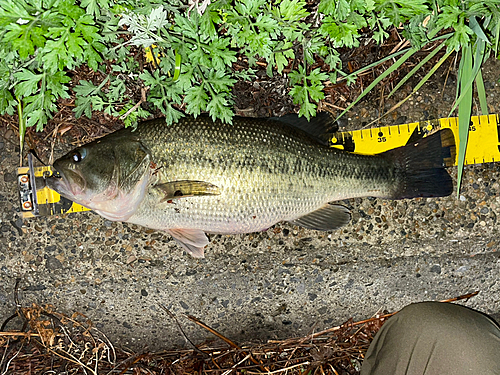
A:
x,y
283,282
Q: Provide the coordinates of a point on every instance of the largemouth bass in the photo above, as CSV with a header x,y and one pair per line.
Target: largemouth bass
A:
x,y
199,176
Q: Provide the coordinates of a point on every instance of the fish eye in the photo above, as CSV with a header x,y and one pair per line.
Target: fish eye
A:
x,y
79,155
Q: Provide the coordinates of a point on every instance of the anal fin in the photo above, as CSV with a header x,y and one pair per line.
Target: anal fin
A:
x,y
192,240
328,217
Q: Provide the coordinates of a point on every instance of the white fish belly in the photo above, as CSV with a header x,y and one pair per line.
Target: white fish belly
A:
x,y
215,214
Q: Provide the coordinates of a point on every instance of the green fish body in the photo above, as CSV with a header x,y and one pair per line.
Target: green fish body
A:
x,y
199,176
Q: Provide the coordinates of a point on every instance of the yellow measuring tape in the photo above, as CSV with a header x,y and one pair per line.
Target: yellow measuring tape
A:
x,y
483,146
37,199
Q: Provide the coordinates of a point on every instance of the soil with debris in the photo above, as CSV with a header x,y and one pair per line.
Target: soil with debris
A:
x,y
285,282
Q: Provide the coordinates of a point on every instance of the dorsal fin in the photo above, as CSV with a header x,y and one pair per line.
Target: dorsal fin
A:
x,y
318,127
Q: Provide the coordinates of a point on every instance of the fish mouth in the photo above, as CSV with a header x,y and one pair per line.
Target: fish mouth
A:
x,y
70,184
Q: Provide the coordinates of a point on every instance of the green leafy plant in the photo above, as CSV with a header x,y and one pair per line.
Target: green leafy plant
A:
x,y
307,88
42,41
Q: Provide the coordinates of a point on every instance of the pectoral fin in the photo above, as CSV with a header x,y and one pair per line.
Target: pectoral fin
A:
x,y
186,188
329,217
192,240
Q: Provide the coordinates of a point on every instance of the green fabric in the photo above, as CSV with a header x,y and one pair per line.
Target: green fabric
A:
x,y
433,338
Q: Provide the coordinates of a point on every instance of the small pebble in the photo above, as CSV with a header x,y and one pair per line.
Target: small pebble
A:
x,y
401,120
436,268
312,296
9,177
52,263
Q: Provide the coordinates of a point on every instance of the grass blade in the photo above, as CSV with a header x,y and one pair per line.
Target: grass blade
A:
x,y
459,72
432,71
478,61
476,27
372,65
419,65
392,56
497,36
177,70
481,93
393,67
396,65
417,87
22,130
464,110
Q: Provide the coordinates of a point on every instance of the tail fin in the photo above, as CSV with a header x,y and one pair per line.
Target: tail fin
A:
x,y
421,165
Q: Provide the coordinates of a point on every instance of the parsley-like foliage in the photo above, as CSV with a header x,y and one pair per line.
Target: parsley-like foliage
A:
x,y
190,57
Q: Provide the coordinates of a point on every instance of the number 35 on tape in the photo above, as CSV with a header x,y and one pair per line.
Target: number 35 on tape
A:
x,y
483,144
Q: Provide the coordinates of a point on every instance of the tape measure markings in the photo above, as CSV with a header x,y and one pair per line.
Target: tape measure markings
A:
x,y
483,145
